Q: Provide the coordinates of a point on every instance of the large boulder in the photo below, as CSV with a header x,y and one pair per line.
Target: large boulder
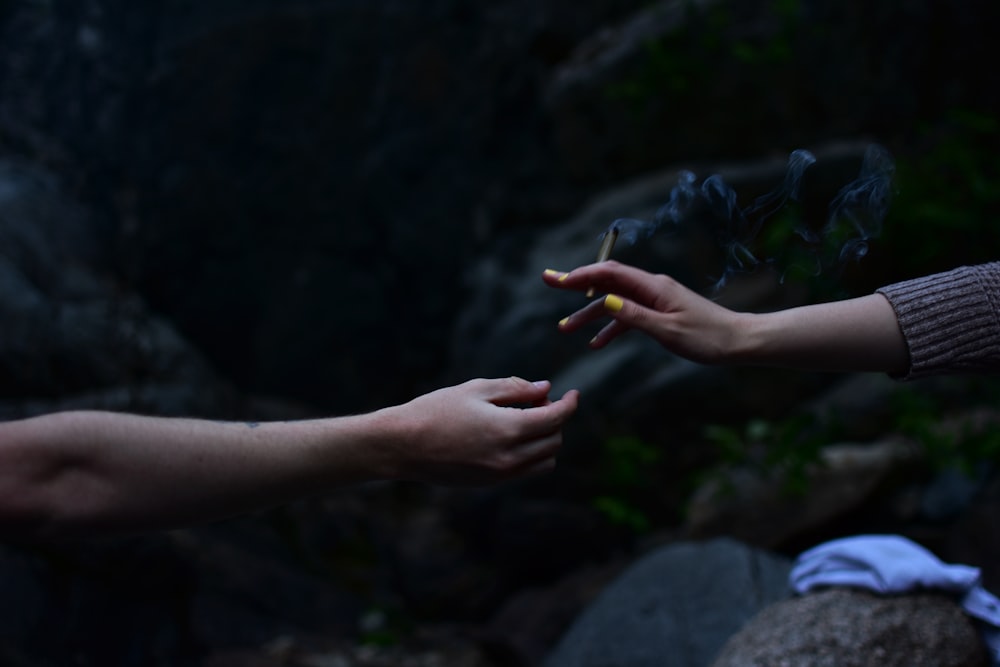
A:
x,y
298,187
675,607
73,336
851,628
763,508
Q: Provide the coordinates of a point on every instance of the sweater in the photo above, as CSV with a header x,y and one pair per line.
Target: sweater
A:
x,y
950,320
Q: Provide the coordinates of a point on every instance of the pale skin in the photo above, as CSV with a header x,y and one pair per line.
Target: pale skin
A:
x,y
859,334
85,473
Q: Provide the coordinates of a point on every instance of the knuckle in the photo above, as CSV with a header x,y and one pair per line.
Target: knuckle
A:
x,y
665,282
502,463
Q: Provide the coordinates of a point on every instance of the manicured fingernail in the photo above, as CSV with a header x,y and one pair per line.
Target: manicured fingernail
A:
x,y
552,272
613,303
540,383
563,321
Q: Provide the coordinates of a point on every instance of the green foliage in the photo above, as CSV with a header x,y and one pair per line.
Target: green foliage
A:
x,y
947,440
789,447
627,468
952,431
626,461
621,512
384,627
948,198
675,66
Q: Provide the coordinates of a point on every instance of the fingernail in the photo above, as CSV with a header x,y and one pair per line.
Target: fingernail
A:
x,y
613,303
553,272
563,321
540,383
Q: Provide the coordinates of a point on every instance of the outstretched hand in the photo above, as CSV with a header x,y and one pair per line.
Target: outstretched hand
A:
x,y
858,334
683,321
483,431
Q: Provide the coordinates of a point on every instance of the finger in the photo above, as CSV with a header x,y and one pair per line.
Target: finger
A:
x,y
625,312
503,391
612,330
631,315
546,419
594,310
538,449
611,277
556,278
542,402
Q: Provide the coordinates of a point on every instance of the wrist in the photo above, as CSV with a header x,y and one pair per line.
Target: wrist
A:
x,y
393,433
748,338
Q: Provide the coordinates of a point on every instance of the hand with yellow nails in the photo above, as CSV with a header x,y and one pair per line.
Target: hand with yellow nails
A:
x,y
684,322
860,334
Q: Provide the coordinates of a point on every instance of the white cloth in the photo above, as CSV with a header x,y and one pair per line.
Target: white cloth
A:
x,y
894,564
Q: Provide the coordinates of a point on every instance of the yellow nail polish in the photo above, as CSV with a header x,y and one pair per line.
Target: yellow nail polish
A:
x,y
613,303
563,321
552,272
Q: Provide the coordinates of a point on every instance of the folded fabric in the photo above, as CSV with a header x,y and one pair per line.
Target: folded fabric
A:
x,y
894,564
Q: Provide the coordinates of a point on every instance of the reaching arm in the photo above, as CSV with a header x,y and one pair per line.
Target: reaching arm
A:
x,y
942,323
859,334
89,473
854,335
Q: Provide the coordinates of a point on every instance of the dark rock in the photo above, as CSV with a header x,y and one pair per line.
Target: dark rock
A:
x,y
530,623
848,628
670,80
74,337
118,602
297,179
760,508
674,607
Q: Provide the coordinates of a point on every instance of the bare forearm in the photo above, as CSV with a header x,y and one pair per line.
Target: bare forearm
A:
x,y
103,472
859,334
94,472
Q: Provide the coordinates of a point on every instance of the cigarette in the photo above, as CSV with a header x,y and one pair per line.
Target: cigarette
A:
x,y
604,253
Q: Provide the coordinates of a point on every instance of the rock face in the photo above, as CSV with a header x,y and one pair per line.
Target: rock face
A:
x,y
73,336
675,607
298,178
754,508
847,628
301,188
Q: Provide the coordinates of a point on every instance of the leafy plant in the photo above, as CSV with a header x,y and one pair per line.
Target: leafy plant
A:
x,y
627,469
676,65
621,512
947,439
788,447
949,196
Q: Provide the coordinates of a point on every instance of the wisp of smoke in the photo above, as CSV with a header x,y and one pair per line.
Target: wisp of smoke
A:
x,y
854,217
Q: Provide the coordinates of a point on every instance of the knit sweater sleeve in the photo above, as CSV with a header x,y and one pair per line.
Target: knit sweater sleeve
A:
x,y
951,320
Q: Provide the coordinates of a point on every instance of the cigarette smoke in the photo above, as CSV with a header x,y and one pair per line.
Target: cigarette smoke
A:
x,y
854,217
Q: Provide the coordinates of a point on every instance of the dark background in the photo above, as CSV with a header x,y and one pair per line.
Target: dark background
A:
x,y
263,209
300,188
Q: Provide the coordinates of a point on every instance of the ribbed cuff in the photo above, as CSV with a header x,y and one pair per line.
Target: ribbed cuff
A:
x,y
950,320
